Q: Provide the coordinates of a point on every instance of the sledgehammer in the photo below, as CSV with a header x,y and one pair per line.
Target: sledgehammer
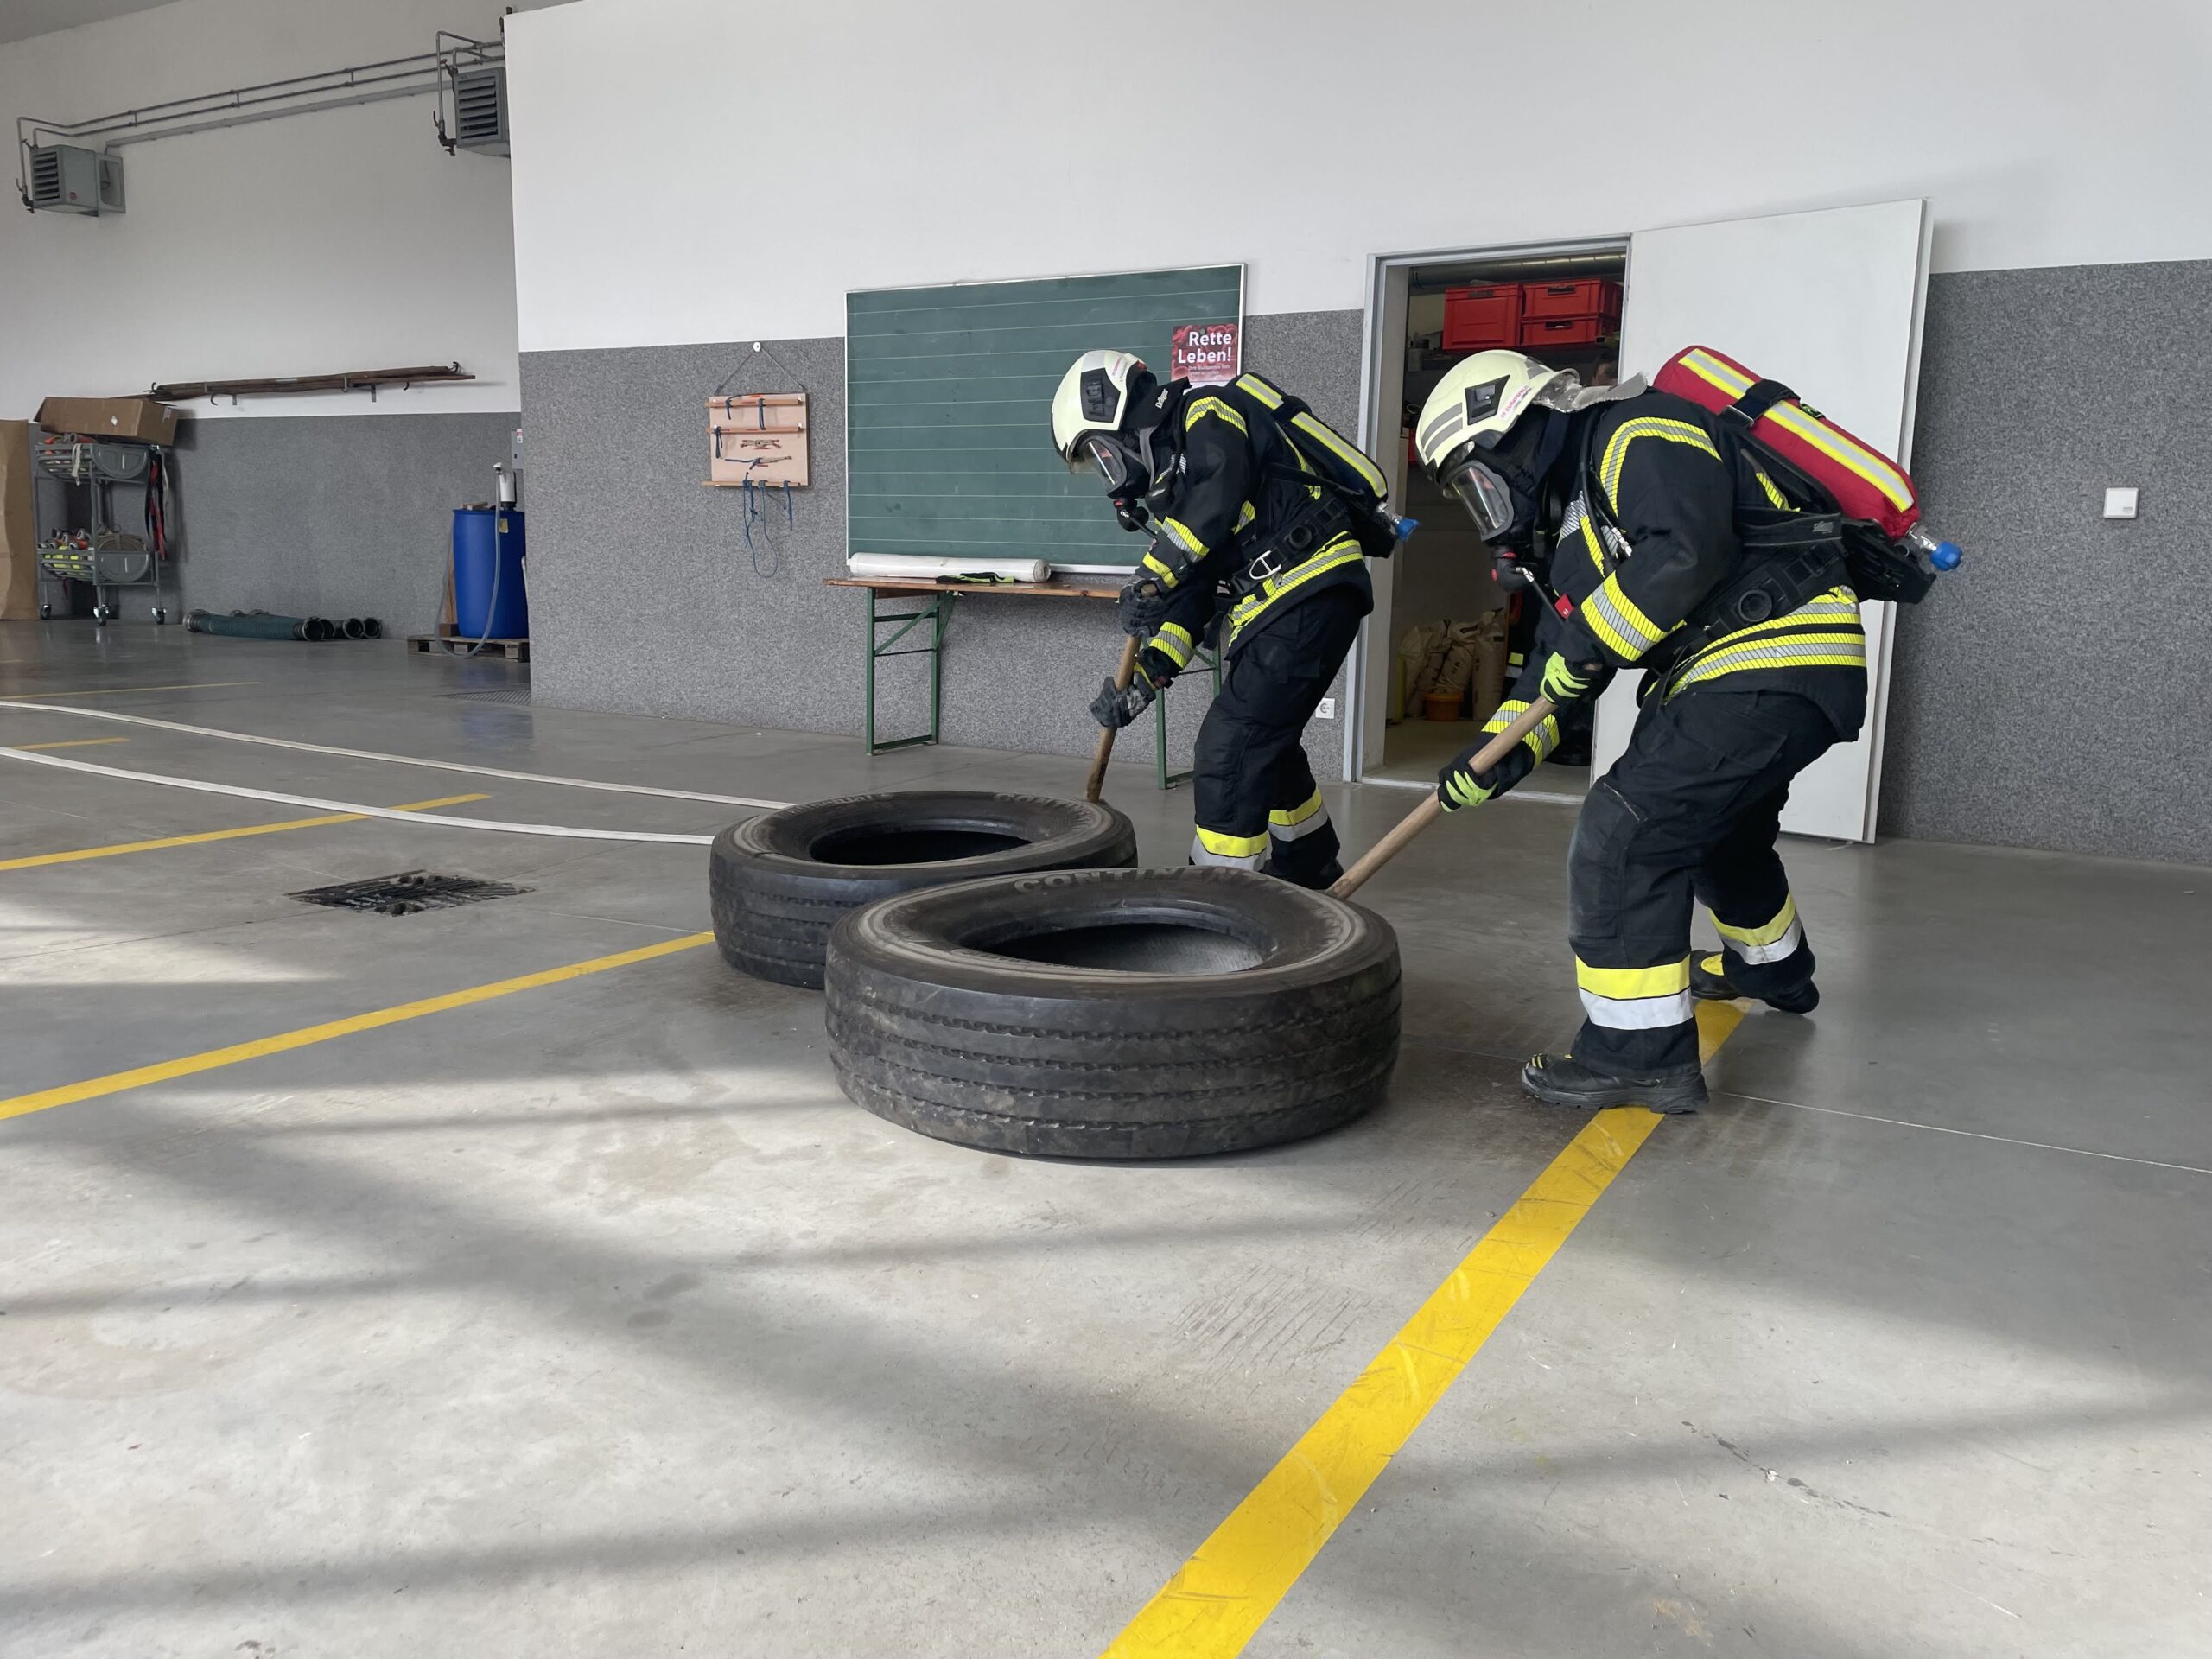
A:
x,y
1423,815
1123,676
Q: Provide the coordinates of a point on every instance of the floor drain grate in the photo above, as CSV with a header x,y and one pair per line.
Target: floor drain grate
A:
x,y
409,892
509,696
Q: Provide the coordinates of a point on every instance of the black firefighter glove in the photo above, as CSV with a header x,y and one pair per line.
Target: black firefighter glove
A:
x,y
1143,606
1459,785
1115,706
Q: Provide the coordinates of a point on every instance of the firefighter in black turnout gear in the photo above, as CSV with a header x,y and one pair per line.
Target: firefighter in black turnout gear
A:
x,y
1672,552
1262,519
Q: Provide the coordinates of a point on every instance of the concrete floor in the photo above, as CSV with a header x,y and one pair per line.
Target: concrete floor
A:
x,y
1415,751
594,1321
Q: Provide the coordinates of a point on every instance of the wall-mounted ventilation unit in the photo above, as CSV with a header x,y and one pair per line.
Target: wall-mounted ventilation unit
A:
x,y
70,179
480,110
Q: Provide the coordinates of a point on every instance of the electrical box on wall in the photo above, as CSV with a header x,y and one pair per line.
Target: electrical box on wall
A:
x,y
70,179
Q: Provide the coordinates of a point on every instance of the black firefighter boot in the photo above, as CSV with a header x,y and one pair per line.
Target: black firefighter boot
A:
x,y
1709,982
1562,1080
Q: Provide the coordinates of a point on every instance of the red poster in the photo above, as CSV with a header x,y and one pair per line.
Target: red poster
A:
x,y
1204,353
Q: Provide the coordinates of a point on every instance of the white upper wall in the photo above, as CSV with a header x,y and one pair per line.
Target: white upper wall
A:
x,y
343,240
690,170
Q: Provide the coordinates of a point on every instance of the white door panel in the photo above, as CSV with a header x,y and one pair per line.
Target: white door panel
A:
x,y
1830,304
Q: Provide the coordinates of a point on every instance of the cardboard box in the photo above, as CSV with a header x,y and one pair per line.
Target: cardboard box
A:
x,y
141,418
18,527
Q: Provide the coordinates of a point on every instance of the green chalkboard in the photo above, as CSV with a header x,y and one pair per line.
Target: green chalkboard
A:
x,y
948,409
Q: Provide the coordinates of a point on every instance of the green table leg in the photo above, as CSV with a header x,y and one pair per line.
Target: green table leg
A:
x,y
936,611
1210,659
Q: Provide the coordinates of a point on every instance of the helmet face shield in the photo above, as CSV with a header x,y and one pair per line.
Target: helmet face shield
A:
x,y
1103,455
1486,496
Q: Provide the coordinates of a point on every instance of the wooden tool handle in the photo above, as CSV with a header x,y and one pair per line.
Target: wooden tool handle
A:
x,y
1123,676
1431,809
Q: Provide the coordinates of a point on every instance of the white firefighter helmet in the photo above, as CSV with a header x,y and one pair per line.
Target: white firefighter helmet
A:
x,y
1093,399
1479,401
1470,419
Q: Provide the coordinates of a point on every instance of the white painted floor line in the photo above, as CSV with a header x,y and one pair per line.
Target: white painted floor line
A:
x,y
397,759
561,830
1970,1134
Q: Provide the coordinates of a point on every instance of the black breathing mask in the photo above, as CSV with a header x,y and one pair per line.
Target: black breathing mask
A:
x,y
1517,471
1141,464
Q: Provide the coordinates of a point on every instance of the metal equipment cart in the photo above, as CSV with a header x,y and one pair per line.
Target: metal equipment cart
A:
x,y
99,553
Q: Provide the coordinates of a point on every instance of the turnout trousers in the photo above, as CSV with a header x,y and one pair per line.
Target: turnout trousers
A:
x,y
1255,802
1690,811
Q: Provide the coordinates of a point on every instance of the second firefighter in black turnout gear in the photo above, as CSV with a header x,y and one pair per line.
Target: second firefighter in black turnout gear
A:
x,y
1661,522
1261,518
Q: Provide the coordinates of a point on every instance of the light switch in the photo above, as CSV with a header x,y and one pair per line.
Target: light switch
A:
x,y
2119,503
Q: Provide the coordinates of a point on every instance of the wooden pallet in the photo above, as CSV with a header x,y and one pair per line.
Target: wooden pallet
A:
x,y
460,644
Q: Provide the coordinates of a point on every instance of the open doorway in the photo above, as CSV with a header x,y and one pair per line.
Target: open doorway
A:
x,y
1446,641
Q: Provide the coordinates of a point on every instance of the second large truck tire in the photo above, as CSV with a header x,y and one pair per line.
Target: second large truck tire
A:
x,y
1114,1014
780,883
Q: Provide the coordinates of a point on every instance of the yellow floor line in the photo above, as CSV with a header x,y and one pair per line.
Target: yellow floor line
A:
x,y
117,690
79,853
116,1082
74,743
1217,1603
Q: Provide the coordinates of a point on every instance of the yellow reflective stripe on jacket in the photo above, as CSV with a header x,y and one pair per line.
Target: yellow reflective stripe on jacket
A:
x,y
1540,742
1245,515
1315,429
1205,406
1176,531
1767,932
1173,642
1222,846
1822,632
1797,650
1774,497
1837,608
1645,426
1337,554
1252,386
1620,626
1160,569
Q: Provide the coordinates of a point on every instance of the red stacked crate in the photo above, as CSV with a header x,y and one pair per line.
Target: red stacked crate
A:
x,y
1477,319
1578,313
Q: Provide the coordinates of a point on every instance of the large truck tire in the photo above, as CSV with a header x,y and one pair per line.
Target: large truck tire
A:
x,y
1114,1014
780,883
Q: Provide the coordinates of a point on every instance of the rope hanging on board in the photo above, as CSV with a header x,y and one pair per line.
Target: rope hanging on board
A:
x,y
768,557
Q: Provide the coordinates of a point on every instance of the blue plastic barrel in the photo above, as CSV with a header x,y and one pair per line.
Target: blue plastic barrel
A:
x,y
487,539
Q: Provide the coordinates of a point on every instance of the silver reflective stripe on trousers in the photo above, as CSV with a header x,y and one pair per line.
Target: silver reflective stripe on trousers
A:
x,y
1201,853
1637,1013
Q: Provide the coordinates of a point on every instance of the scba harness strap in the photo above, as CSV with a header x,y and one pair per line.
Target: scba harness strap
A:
x,y
1790,558
1342,509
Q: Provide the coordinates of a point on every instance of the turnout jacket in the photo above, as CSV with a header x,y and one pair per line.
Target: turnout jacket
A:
x,y
1238,512
1674,487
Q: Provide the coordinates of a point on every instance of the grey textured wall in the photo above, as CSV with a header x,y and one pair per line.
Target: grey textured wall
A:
x,y
645,598
2057,692
327,515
